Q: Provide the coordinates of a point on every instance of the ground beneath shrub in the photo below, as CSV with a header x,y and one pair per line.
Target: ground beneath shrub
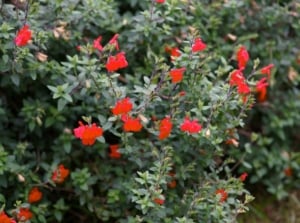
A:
x,y
266,209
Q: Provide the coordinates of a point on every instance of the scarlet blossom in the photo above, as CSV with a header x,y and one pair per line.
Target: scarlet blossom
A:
x,y
5,219
182,93
288,171
243,88
173,51
116,62
177,75
122,106
23,36
114,152
131,124
242,57
35,195
159,201
172,183
160,1
60,174
198,45
237,79
267,70
88,133
114,41
261,89
190,126
97,45
165,128
24,214
243,176
223,194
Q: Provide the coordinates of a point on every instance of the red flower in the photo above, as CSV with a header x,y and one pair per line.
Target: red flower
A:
x,y
159,201
177,75
131,124
116,62
242,57
97,45
160,1
190,126
261,89
288,171
243,88
174,51
23,36
172,183
88,133
182,93
165,128
198,45
114,153
243,176
223,194
267,70
114,41
35,195
237,79
60,174
5,219
24,214
122,106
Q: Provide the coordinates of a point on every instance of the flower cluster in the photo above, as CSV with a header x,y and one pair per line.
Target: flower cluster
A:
x,y
114,152
165,128
190,126
116,62
88,133
122,106
177,75
222,194
23,36
35,195
5,219
60,174
131,124
24,214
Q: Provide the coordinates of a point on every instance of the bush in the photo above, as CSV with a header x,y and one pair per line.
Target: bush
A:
x,y
139,126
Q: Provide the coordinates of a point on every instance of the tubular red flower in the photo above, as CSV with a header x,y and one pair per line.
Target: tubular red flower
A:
x,y
114,152
24,214
190,126
223,194
160,1
261,89
242,56
131,124
97,45
198,45
35,195
114,41
122,106
88,133
116,62
243,176
177,75
267,70
23,36
165,128
5,219
159,201
60,174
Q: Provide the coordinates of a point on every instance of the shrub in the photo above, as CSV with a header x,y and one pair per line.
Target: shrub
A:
x,y
127,127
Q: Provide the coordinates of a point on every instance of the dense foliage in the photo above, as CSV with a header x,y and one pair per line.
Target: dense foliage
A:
x,y
146,111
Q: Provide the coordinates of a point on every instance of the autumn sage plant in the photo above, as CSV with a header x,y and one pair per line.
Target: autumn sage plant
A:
x,y
111,115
